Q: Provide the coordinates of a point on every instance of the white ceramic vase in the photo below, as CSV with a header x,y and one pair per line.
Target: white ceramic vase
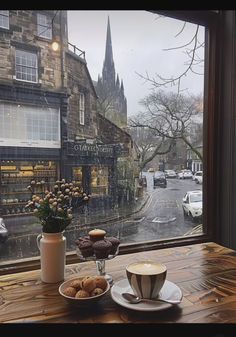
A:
x,y
52,248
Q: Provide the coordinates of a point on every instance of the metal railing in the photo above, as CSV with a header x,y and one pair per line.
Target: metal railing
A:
x,y
76,50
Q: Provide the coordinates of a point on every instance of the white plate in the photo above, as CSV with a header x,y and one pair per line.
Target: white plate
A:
x,y
169,291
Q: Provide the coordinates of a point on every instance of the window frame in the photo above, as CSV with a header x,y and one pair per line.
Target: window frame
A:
x,y
44,27
210,19
30,118
8,22
27,67
81,108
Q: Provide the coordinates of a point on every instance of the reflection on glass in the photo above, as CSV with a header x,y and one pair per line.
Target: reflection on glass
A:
x,y
99,180
78,175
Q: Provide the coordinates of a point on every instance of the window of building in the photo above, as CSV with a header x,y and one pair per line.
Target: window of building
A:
x,y
81,109
15,176
26,66
29,126
4,19
77,174
99,180
44,26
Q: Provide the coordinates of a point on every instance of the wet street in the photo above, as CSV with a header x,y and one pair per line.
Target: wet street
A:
x,y
161,217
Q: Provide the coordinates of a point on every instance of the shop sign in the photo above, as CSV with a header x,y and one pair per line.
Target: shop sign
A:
x,y
84,149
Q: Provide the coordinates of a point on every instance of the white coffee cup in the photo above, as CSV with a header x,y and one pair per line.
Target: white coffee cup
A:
x,y
146,278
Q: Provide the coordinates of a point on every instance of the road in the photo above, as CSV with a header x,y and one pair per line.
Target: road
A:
x,y
161,217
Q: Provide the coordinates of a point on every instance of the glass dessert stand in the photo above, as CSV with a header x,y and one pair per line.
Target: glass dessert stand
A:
x,y
100,263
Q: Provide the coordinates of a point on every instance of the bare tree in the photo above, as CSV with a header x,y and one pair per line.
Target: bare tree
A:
x,y
149,144
194,61
170,116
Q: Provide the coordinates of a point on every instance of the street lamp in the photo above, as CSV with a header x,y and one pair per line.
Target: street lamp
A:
x,y
55,46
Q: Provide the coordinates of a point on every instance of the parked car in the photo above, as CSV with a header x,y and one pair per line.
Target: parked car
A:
x,y
3,231
198,180
159,179
185,174
170,174
151,169
143,181
197,177
192,204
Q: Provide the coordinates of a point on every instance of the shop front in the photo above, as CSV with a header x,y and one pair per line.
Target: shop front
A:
x,y
93,167
18,168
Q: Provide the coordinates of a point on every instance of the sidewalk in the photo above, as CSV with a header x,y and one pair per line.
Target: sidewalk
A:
x,y
95,218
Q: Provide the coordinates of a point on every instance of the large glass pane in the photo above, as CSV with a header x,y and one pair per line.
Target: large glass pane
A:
x,y
125,124
21,124
150,84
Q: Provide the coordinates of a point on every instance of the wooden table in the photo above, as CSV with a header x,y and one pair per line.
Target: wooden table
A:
x,y
206,274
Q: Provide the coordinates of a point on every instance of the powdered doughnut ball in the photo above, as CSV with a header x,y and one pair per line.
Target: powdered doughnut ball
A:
x,y
100,282
83,280
82,294
76,284
88,284
70,291
96,291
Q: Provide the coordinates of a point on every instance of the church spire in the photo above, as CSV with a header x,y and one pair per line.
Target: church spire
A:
x,y
108,52
108,72
110,89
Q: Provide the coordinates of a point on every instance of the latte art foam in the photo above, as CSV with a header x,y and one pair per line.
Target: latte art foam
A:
x,y
146,268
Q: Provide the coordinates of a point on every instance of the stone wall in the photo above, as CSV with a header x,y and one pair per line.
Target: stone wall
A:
x,y
22,34
79,81
112,134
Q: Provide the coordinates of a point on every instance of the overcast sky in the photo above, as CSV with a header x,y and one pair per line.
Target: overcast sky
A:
x,y
138,40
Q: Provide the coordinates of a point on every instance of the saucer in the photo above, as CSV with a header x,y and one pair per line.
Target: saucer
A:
x,y
169,291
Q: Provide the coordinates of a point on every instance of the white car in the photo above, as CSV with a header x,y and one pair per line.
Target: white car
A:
x,y
198,180
192,204
185,174
197,177
170,174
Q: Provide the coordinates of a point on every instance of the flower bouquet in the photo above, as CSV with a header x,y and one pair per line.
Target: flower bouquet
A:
x,y
54,208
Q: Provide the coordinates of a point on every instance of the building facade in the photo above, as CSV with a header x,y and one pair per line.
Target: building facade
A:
x,y
32,101
49,126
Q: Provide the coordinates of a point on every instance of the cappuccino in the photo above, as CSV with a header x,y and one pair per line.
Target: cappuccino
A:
x,y
146,268
146,278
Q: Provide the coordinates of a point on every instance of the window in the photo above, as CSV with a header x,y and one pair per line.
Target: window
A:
x,y
44,26
15,176
78,175
99,180
4,19
81,109
29,126
162,203
26,66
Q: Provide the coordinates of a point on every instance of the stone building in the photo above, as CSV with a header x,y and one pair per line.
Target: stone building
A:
x,y
48,114
127,172
112,102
